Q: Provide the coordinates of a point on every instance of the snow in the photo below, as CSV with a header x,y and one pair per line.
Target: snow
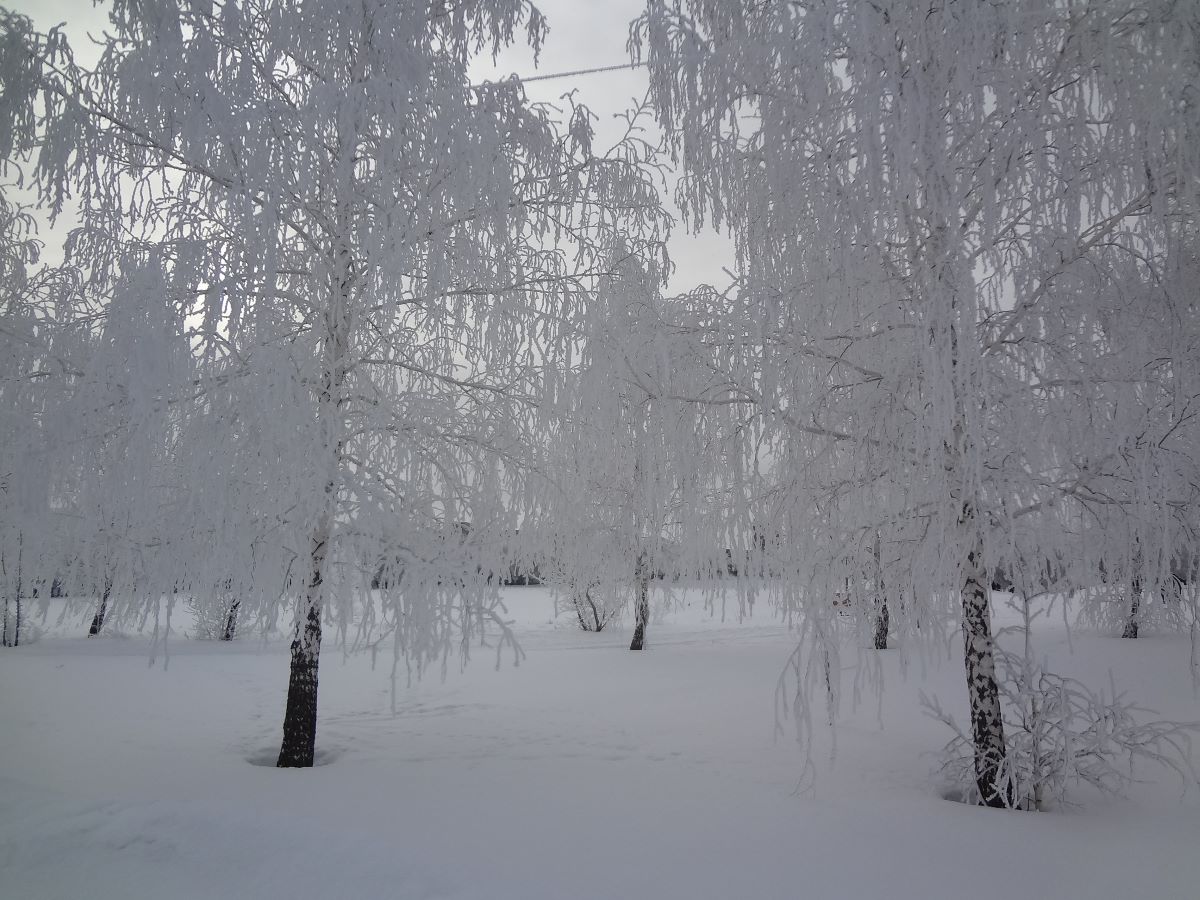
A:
x,y
586,772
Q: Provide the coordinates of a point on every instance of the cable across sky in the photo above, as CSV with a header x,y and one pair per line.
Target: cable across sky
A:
x,y
524,80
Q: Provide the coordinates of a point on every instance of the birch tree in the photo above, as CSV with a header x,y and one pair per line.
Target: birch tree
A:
x,y
44,338
633,456
924,198
18,250
373,259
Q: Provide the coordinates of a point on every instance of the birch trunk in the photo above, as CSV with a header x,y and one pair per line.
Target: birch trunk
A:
x,y
101,611
1135,600
13,639
230,628
641,603
300,717
882,617
16,641
1135,608
983,692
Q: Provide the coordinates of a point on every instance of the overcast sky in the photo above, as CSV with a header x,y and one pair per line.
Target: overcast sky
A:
x,y
591,33
583,34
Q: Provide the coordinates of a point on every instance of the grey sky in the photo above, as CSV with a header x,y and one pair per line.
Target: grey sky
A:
x,y
583,34
591,33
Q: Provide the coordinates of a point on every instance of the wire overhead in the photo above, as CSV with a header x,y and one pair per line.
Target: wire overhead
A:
x,y
523,80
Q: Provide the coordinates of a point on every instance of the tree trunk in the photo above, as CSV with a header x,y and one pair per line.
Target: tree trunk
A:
x,y
230,628
987,724
13,639
17,599
882,617
102,610
1135,601
300,716
641,604
882,625
1135,607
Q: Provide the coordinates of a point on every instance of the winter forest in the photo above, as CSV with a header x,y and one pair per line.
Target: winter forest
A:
x,y
852,547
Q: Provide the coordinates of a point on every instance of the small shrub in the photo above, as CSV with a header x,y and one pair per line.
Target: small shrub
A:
x,y
594,605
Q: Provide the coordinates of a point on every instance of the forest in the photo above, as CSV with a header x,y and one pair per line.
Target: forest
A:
x,y
322,355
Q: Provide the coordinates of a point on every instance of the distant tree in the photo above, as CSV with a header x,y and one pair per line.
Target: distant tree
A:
x,y
38,370
633,458
17,251
10,627
121,427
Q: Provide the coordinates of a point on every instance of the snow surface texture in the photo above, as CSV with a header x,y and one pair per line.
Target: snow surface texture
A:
x,y
586,772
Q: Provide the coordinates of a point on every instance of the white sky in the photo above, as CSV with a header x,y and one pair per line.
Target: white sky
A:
x,y
583,34
591,33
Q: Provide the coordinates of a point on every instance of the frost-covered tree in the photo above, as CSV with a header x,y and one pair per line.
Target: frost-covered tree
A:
x,y
372,259
631,458
629,481
1063,734
123,449
1137,494
44,335
17,251
928,200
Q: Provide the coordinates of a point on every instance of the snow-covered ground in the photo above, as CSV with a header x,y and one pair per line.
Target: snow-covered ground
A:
x,y
586,772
